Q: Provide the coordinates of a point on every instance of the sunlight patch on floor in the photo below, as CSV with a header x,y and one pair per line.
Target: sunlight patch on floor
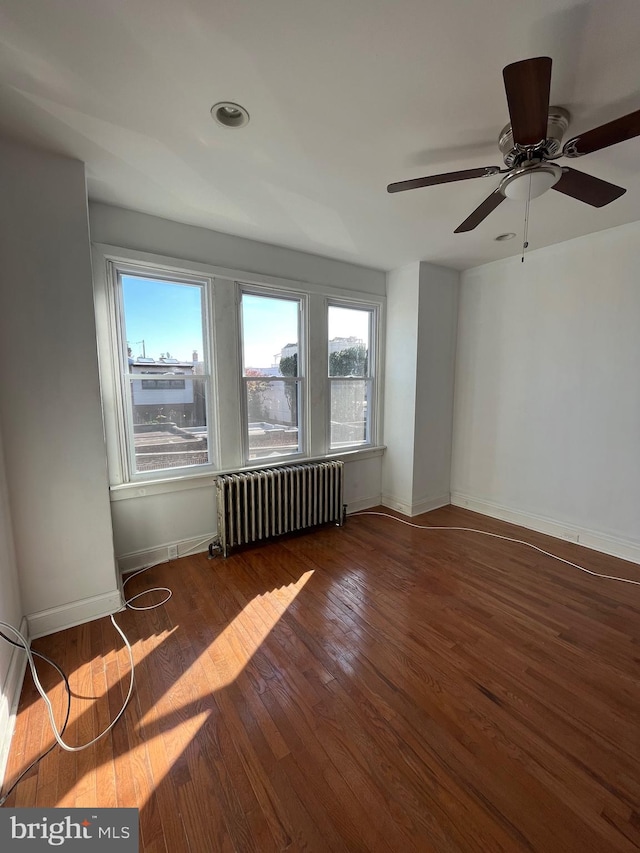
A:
x,y
227,655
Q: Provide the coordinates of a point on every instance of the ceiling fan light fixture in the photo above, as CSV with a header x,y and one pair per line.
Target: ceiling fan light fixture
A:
x,y
502,237
229,114
530,181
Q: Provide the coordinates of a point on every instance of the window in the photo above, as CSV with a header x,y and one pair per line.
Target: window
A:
x,y
202,371
165,373
350,360
272,374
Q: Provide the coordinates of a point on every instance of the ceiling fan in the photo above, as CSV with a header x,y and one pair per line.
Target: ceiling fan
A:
x,y
531,142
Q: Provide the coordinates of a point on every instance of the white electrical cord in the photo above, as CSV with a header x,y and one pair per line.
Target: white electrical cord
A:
x,y
145,592
209,539
158,588
498,536
41,690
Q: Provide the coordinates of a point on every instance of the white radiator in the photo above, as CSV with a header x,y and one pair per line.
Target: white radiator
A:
x,y
260,504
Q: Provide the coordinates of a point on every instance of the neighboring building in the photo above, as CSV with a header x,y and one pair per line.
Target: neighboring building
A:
x,y
271,405
338,344
335,345
287,350
165,393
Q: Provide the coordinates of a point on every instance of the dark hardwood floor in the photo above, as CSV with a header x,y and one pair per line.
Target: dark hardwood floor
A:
x,y
370,688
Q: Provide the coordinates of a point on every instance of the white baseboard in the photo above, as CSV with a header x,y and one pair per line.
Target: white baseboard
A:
x,y
363,503
625,549
418,507
427,504
75,613
9,698
152,556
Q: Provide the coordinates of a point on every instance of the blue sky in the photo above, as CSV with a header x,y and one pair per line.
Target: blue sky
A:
x,y
267,324
167,317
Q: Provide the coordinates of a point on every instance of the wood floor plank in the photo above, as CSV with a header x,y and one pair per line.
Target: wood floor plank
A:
x,y
374,687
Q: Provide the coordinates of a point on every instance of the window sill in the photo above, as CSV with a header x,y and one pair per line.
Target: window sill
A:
x,y
142,489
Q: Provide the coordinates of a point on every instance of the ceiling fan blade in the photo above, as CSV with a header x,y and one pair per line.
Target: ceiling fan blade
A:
x,y
445,178
527,84
481,212
593,191
625,127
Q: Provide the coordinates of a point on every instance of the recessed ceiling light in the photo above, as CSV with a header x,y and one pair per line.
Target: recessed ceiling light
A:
x,y
501,237
229,114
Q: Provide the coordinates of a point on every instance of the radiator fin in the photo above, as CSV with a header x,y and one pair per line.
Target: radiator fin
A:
x,y
255,505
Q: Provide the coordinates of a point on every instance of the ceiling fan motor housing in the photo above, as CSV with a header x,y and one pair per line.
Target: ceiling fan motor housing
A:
x,y
557,125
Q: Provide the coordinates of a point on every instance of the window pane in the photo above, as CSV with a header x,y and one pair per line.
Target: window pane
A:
x,y
164,331
349,412
348,341
272,408
169,422
163,320
270,335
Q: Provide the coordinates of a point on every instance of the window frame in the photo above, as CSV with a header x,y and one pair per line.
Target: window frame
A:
x,y
268,292
227,453
373,407
126,462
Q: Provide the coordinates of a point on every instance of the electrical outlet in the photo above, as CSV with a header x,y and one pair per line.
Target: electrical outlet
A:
x,y
172,551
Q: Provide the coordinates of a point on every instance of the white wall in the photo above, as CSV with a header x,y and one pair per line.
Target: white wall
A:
x,y
547,396
11,659
10,602
50,412
132,230
401,364
147,520
437,324
422,303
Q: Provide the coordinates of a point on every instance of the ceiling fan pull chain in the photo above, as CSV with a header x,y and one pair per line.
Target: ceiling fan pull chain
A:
x,y
525,238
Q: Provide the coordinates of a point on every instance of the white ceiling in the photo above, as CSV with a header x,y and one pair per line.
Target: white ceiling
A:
x,y
345,96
